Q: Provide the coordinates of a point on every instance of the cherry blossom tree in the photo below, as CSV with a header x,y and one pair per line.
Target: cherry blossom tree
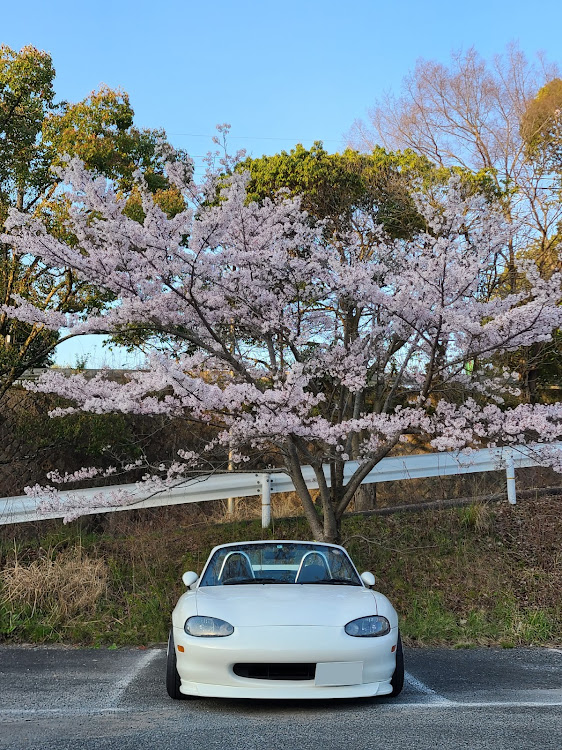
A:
x,y
293,347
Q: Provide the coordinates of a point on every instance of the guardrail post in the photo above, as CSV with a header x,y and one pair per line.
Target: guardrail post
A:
x,y
510,474
265,487
230,500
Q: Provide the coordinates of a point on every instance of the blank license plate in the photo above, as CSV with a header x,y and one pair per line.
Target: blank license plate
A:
x,y
339,673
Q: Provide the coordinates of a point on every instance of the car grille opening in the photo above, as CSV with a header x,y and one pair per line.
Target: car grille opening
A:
x,y
276,671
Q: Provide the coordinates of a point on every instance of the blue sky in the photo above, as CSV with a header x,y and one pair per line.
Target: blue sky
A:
x,y
279,72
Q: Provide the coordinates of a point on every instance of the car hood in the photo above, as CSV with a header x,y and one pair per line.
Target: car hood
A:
x,y
285,604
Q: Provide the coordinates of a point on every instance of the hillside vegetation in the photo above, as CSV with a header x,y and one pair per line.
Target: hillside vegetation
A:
x,y
481,574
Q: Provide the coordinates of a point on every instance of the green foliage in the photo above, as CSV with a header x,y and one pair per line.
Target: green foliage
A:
x,y
26,98
37,135
99,130
88,434
335,186
39,350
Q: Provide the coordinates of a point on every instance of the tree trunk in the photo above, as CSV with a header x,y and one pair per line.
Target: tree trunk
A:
x,y
366,497
332,531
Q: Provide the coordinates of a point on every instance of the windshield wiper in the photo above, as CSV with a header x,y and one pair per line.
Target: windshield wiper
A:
x,y
337,582
251,580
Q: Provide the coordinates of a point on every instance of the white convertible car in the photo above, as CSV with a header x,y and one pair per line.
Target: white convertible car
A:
x,y
283,619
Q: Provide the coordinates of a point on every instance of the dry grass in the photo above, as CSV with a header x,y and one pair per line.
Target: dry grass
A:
x,y
478,516
283,505
62,585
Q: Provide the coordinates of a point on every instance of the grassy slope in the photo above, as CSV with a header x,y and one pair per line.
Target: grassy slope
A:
x,y
474,575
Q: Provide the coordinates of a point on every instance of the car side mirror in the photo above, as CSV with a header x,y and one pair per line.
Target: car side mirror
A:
x,y
368,579
189,578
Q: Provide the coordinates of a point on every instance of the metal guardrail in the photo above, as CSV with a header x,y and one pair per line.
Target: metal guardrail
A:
x,y
222,486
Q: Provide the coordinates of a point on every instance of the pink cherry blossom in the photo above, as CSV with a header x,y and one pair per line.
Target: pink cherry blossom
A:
x,y
288,344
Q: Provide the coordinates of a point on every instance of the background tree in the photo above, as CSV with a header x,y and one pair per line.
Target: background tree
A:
x,y
333,187
36,136
470,114
541,131
26,97
541,125
496,117
295,348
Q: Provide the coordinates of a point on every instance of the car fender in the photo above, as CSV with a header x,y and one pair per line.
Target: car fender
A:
x,y
186,607
385,608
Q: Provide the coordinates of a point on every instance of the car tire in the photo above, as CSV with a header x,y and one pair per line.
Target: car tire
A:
x,y
173,681
397,680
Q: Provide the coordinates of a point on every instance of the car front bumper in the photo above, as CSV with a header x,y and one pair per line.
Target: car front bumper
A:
x,y
206,665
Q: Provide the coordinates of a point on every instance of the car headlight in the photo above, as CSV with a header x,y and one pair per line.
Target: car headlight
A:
x,y
207,627
368,627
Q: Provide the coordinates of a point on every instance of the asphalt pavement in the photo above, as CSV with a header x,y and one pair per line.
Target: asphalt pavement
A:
x,y
56,697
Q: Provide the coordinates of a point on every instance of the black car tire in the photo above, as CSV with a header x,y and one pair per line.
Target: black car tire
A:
x,y
397,680
173,681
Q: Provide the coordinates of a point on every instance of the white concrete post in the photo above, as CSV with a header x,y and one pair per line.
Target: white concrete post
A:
x,y
265,486
510,474
230,500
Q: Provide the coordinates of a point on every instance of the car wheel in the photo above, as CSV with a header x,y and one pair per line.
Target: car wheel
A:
x,y
172,677
397,680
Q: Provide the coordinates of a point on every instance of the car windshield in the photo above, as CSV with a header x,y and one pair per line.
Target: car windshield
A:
x,y
280,562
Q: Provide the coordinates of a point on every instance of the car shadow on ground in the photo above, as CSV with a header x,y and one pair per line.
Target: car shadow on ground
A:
x,y
279,707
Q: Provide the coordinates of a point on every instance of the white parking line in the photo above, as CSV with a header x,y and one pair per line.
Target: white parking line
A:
x,y
121,685
477,704
509,704
45,713
436,699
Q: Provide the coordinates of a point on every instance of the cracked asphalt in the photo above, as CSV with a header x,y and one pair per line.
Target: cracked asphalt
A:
x,y
56,697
